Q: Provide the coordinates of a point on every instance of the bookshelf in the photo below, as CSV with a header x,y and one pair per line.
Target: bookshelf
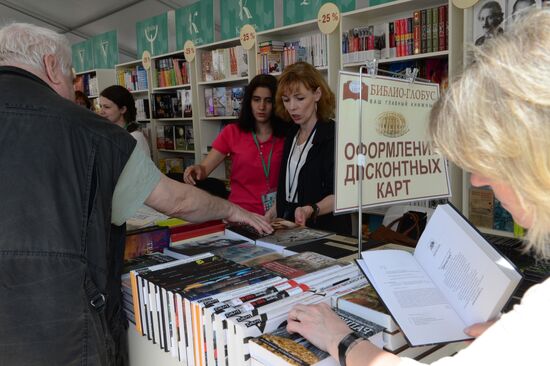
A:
x,y
324,48
173,111
92,82
221,76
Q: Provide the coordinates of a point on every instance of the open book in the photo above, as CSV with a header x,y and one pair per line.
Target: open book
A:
x,y
454,279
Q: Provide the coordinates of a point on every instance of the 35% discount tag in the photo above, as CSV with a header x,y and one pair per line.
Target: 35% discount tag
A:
x,y
248,36
328,18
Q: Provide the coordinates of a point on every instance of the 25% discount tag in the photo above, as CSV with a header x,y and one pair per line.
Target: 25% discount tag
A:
x,y
248,36
189,51
328,18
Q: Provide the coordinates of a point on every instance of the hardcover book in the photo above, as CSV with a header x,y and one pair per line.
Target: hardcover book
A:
x,y
455,278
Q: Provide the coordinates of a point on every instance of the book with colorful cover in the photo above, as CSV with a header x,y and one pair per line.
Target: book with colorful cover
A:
x,y
145,241
299,264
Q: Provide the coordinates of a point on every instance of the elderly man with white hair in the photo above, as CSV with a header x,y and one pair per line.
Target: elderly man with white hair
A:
x,y
70,180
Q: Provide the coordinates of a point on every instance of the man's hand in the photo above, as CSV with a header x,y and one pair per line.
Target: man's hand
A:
x,y
194,173
241,216
319,324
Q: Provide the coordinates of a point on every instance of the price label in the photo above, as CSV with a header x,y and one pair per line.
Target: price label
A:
x,y
248,36
463,4
189,51
146,60
328,18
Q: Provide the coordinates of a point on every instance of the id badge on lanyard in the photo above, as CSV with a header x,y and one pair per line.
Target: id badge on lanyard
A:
x,y
268,199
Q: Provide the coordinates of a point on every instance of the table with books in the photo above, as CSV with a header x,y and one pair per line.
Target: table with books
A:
x,y
223,298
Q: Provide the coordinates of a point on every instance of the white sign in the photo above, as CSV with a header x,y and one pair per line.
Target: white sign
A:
x,y
395,158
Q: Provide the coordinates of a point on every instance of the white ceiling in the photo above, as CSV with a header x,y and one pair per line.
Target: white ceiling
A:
x,y
82,19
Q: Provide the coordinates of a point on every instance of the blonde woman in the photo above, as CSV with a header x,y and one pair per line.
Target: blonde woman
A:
x,y
494,122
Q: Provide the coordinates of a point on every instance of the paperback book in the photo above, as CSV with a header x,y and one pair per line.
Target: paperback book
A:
x,y
454,279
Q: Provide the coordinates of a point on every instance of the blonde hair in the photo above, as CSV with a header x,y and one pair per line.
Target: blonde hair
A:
x,y
495,119
311,78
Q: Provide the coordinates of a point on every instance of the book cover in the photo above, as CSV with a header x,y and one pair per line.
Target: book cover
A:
x,y
285,236
208,102
206,66
219,101
455,278
204,245
299,264
366,304
245,253
189,137
179,137
327,247
237,95
146,241
187,102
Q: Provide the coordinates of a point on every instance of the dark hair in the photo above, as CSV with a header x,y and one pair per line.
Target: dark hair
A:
x,y
246,120
80,95
122,98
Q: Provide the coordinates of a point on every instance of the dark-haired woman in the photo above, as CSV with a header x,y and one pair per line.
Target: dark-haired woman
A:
x,y
118,106
255,145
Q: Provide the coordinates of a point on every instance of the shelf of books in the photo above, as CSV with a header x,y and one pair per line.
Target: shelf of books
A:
x,y
92,82
173,123
222,71
277,48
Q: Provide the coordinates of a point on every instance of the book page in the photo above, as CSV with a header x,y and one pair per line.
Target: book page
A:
x,y
472,276
415,303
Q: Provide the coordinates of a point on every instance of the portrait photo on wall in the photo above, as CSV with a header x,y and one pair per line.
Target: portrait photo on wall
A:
x,y
515,8
488,20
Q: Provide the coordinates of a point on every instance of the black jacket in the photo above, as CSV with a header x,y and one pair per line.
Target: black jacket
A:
x,y
315,181
59,253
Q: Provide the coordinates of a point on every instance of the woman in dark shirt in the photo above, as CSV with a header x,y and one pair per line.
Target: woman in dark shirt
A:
x,y
305,192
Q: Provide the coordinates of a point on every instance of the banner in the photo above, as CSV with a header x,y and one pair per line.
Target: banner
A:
x,y
297,11
195,23
400,164
83,56
105,50
152,35
236,13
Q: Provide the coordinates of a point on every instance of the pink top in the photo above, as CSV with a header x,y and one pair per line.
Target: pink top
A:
x,y
248,181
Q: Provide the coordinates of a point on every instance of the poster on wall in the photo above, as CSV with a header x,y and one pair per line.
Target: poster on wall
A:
x,y
105,50
296,11
152,35
236,13
400,164
83,56
195,23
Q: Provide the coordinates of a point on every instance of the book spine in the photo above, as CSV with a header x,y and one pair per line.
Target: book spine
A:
x,y
429,47
435,29
442,28
424,40
417,32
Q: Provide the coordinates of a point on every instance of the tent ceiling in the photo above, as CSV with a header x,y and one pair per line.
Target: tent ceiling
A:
x,y
81,19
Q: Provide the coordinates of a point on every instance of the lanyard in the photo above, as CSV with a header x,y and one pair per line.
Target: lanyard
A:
x,y
268,167
291,182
